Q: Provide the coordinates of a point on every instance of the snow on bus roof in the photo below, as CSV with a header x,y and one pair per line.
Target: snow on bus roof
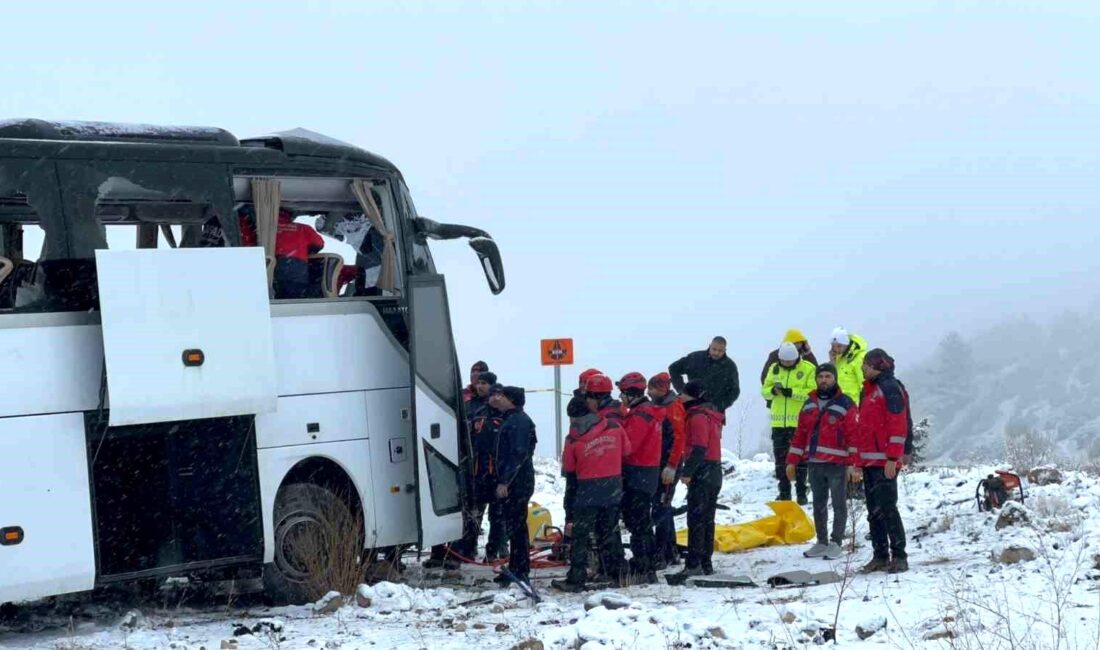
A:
x,y
33,129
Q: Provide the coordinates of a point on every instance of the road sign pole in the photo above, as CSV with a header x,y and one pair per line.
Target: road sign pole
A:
x,y
557,353
557,407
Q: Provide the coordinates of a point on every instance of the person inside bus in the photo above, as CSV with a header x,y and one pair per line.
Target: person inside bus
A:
x,y
355,230
294,243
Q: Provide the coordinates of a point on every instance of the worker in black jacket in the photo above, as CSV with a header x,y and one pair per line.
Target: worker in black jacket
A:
x,y
515,474
711,368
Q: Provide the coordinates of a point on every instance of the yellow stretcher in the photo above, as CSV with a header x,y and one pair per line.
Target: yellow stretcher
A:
x,y
789,525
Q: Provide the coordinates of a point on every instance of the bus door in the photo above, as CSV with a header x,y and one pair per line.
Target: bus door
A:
x,y
435,412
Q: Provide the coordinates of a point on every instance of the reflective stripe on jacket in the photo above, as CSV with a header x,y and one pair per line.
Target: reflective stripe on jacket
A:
x,y
826,431
800,379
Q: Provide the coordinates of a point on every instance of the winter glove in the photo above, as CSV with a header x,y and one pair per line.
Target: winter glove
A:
x,y
668,475
789,392
791,472
777,390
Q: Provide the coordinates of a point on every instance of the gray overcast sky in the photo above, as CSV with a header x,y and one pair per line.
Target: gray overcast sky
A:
x,y
656,173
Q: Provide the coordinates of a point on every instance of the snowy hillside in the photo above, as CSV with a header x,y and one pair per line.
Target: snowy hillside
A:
x,y
1021,377
957,594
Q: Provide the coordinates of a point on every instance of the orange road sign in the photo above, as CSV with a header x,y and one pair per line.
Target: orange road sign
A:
x,y
557,352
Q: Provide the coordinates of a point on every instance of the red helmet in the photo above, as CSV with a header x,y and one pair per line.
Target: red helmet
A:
x,y
632,380
588,374
661,380
598,384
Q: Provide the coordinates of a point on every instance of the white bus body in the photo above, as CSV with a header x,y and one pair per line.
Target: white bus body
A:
x,y
158,434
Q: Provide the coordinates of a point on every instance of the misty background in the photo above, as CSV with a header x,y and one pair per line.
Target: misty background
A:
x,y
659,173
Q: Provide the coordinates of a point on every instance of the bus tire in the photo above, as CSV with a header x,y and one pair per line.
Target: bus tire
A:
x,y
303,511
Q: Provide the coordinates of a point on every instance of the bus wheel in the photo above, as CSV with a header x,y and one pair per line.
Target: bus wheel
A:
x,y
317,545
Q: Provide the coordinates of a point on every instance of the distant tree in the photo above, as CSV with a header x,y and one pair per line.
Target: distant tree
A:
x,y
921,431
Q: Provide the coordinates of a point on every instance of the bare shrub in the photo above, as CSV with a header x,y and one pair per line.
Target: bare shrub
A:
x,y
1054,505
332,550
740,417
1026,448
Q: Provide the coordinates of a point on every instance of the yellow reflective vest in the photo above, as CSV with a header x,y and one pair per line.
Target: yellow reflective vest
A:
x,y
849,368
800,379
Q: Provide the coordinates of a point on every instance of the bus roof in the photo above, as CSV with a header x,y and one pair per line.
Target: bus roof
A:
x,y
137,141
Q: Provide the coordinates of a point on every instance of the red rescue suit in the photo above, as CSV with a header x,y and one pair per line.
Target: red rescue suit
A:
x,y
593,454
826,431
883,423
643,428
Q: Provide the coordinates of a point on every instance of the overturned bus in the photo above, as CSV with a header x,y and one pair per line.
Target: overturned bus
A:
x,y
171,411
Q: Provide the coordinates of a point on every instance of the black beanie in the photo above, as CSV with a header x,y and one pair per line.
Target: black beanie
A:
x,y
695,390
826,367
515,395
577,407
487,377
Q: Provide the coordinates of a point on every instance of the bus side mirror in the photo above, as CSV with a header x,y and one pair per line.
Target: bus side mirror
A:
x,y
489,255
482,243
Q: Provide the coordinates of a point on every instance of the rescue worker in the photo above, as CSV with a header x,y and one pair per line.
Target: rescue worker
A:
x,y
294,243
598,395
641,473
714,370
846,353
702,475
484,426
578,392
826,438
470,391
788,383
582,381
593,463
673,419
792,336
515,475
883,428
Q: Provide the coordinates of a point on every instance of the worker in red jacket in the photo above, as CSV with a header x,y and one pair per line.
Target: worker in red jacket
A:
x,y
582,381
883,429
597,393
294,243
641,473
825,441
703,477
673,418
579,393
593,465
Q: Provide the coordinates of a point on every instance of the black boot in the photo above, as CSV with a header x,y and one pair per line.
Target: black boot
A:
x,y
784,491
690,572
898,565
875,565
567,586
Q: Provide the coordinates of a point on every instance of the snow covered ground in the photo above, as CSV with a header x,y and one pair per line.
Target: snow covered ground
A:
x,y
956,594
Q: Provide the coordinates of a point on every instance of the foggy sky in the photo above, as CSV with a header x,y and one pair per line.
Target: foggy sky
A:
x,y
657,173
